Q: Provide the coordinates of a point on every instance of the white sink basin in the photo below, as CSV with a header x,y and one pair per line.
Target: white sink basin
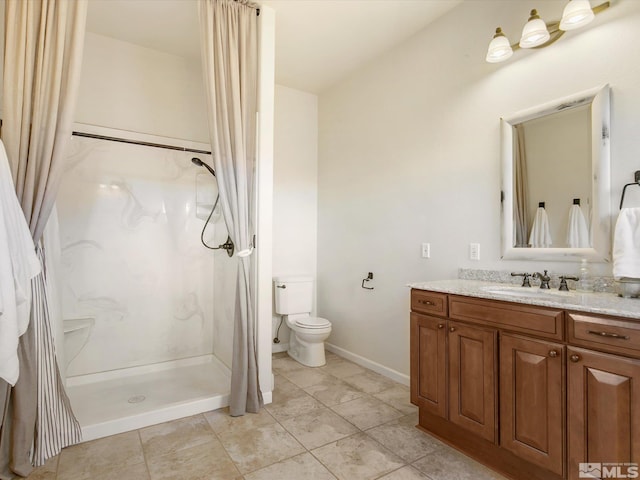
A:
x,y
529,292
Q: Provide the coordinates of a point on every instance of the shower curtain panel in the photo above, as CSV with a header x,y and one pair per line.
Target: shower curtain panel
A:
x,y
229,43
43,54
520,194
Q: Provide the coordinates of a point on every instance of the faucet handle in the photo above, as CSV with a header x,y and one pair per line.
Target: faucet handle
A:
x,y
525,278
563,282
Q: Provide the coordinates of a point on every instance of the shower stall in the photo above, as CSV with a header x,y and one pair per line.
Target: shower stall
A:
x,y
143,313
147,324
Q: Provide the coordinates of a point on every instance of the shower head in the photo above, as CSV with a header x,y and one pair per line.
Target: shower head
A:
x,y
200,163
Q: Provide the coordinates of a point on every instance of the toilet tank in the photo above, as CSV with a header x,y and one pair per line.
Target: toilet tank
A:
x,y
293,294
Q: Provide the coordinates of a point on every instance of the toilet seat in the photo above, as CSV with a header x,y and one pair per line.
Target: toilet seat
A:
x,y
313,322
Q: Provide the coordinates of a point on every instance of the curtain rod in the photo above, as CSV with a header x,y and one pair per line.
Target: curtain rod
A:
x,y
138,142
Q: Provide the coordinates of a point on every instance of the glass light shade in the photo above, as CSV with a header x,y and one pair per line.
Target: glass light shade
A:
x,y
576,14
535,32
499,48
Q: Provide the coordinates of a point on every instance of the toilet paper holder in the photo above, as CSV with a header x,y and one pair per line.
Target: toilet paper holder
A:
x,y
369,278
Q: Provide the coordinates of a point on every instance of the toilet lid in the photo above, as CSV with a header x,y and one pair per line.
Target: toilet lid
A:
x,y
313,322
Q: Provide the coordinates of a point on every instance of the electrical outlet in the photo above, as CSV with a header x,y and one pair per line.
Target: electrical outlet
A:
x,y
474,251
426,250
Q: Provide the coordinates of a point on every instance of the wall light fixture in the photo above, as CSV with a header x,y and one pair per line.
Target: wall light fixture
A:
x,y
538,34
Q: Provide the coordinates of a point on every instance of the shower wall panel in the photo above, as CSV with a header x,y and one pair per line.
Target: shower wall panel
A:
x,y
131,254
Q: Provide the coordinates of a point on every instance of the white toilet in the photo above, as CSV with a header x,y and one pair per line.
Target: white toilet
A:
x,y
294,298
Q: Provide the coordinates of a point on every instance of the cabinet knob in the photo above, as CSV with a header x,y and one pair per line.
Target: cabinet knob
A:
x,y
425,302
553,353
441,325
574,358
452,329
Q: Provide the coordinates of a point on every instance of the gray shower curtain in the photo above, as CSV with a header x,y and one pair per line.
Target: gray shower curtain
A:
x,y
43,53
229,43
520,194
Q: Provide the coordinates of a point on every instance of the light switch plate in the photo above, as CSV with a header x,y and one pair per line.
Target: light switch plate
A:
x,y
474,251
426,250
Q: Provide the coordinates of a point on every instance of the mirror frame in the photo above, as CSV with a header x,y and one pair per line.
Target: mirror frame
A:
x,y
600,251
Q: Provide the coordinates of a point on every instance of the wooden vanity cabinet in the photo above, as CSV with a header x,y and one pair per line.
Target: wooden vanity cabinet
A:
x,y
453,371
428,367
604,409
603,390
529,391
532,399
472,379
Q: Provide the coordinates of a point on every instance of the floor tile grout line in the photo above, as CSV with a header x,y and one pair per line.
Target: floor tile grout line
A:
x,y
215,434
365,395
243,474
360,430
395,384
327,466
332,441
404,463
330,408
144,454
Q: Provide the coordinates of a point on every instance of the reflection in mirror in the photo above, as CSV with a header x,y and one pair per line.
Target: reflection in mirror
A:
x,y
553,166
556,180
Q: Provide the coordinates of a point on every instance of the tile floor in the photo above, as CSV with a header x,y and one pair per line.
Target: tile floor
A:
x,y
338,421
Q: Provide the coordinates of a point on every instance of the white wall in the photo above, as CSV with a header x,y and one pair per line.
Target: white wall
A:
x,y
295,185
130,87
266,127
409,152
558,157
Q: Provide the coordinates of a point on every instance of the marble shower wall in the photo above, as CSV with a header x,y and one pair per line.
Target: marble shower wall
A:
x,y
132,257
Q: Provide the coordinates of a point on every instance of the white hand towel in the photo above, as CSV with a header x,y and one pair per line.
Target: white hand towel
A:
x,y
626,244
577,231
18,265
540,235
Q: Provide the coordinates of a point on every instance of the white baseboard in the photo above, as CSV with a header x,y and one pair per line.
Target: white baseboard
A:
x,y
279,347
370,364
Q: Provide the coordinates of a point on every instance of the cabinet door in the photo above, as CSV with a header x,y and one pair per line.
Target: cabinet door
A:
x,y
472,379
603,409
428,363
532,400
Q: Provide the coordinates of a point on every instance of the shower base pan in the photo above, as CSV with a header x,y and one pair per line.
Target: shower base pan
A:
x,y
119,401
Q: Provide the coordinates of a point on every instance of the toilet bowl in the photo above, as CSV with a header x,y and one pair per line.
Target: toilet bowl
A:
x,y
306,342
76,335
294,300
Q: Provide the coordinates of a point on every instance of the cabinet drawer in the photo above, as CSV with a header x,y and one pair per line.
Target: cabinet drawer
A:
x,y
429,302
606,334
538,321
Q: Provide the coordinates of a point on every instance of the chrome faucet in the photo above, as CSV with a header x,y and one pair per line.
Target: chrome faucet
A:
x,y
525,278
544,279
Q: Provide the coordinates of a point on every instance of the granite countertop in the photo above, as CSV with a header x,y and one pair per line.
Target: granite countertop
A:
x,y
601,303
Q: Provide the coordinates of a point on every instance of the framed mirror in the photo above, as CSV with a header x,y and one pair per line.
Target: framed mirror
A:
x,y
556,202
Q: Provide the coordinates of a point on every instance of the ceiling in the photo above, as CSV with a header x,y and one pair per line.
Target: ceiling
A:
x,y
318,42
